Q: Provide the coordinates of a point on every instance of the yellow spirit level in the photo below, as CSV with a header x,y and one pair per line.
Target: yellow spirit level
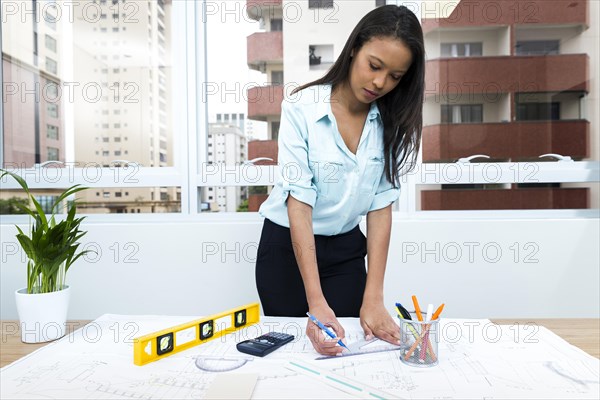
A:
x,y
163,343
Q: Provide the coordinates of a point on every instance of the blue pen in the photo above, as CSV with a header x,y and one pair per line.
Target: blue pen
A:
x,y
327,331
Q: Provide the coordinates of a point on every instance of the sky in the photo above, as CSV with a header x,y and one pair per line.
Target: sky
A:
x,y
228,72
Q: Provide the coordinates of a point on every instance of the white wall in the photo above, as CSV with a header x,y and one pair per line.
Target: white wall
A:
x,y
206,266
303,27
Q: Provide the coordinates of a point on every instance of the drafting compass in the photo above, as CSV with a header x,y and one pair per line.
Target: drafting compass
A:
x,y
363,346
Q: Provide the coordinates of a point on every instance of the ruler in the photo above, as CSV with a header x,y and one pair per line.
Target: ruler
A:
x,y
340,382
374,345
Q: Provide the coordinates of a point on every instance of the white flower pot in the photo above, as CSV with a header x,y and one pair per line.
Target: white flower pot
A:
x,y
43,316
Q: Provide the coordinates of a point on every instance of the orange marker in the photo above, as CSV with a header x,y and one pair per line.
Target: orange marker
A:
x,y
437,312
417,308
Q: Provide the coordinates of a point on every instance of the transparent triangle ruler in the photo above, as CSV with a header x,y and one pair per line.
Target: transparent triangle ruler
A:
x,y
365,347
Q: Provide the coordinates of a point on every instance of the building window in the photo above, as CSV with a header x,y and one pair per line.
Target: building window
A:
x,y
379,3
106,195
537,47
52,154
51,90
118,194
51,66
276,25
50,43
50,20
461,49
35,45
320,56
538,111
462,113
46,202
274,130
277,77
52,110
105,153
52,132
320,3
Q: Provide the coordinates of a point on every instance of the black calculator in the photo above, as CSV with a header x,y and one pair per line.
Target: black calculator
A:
x,y
265,344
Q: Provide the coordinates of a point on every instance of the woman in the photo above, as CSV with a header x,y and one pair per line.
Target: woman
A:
x,y
342,141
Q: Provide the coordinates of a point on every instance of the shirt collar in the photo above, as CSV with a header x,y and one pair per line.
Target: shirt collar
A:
x,y
324,105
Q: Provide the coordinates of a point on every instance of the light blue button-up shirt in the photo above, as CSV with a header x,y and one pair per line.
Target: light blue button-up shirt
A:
x,y
317,168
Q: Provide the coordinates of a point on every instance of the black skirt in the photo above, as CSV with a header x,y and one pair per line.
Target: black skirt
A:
x,y
341,262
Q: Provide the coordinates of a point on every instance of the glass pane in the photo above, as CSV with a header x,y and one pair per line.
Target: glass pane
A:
x,y
528,93
238,82
233,198
123,200
97,89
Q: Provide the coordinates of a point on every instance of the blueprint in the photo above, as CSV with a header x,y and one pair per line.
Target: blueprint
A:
x,y
477,359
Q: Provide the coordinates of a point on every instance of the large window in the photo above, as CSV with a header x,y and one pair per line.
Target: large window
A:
x,y
537,47
461,113
175,106
109,77
461,49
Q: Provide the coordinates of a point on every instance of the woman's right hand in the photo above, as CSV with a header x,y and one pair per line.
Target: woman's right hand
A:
x,y
320,341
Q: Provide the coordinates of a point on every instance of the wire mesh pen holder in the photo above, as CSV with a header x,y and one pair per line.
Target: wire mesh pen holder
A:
x,y
421,341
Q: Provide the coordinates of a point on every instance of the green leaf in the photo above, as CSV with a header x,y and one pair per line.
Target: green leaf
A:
x,y
51,246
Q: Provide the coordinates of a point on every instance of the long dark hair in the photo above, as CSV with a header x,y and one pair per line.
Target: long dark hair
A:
x,y
402,108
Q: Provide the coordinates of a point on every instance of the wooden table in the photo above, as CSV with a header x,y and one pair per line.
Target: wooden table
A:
x,y
583,333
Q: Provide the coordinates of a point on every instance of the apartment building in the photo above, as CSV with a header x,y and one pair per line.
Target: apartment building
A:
x,y
131,121
227,148
33,126
511,81
118,86
505,79
32,77
292,50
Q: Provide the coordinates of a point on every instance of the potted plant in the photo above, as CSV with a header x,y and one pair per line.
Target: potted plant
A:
x,y
51,248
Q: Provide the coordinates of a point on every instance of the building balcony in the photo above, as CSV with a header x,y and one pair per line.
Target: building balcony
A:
x,y
493,13
263,148
517,141
264,48
264,101
256,9
507,74
505,199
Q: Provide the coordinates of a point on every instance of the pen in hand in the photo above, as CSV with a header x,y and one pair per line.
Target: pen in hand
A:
x,y
326,330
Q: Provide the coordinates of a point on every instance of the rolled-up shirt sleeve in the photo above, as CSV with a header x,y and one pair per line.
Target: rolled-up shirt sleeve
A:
x,y
295,174
385,195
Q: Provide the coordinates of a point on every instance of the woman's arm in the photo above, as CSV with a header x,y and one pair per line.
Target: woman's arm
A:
x,y
374,317
303,243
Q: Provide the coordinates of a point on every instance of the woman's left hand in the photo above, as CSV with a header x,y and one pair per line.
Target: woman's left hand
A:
x,y
376,321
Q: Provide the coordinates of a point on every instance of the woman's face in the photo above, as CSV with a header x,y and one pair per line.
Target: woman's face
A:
x,y
378,67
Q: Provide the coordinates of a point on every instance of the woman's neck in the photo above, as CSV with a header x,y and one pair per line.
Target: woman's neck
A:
x,y
342,95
